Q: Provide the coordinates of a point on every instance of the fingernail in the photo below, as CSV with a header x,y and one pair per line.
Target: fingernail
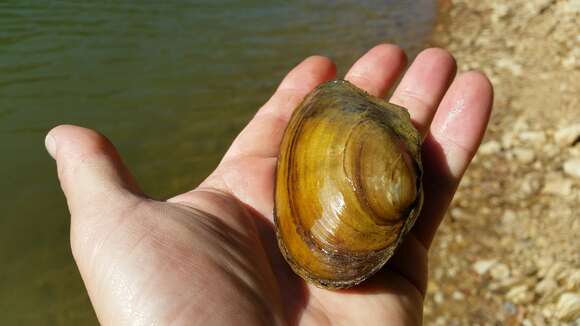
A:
x,y
50,145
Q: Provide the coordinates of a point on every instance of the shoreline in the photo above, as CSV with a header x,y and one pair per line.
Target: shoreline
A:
x,y
506,250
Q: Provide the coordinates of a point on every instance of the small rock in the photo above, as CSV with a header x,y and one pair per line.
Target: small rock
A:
x,y
548,312
543,264
557,185
509,217
572,167
502,285
510,308
438,297
530,184
520,125
538,319
573,280
483,266
438,273
527,322
432,287
571,61
520,295
535,7
508,63
568,307
528,268
441,320
546,287
500,10
570,7
556,271
507,140
491,147
533,136
457,296
451,271
458,214
568,135
524,155
500,271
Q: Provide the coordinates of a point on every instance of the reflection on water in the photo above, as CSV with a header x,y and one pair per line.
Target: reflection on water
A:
x,y
170,82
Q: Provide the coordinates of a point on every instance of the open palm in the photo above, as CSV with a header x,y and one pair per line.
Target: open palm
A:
x,y
209,256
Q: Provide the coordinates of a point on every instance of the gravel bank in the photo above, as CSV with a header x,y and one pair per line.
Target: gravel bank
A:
x,y
509,250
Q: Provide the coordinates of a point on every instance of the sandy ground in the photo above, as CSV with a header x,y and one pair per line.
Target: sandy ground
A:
x,y
509,249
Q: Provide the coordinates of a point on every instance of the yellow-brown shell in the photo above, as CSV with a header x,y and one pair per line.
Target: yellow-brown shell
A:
x,y
348,184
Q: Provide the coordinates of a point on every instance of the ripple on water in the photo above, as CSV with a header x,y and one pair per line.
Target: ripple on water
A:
x,y
170,82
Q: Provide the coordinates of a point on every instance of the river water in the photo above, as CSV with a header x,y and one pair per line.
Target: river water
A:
x,y
170,82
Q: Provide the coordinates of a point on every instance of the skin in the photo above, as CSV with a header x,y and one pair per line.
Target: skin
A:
x,y
209,256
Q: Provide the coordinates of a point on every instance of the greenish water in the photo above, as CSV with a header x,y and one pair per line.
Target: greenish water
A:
x,y
170,82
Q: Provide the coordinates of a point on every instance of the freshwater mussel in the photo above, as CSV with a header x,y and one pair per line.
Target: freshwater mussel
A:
x,y
348,184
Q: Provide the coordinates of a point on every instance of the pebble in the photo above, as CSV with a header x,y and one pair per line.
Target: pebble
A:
x,y
500,271
543,264
490,147
535,7
524,155
568,135
530,184
507,140
572,7
556,271
438,297
520,295
483,266
432,286
572,167
546,287
459,214
533,136
538,319
557,185
548,312
457,296
500,10
508,63
510,308
568,307
509,217
527,322
573,280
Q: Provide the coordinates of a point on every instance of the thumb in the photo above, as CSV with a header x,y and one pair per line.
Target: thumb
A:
x,y
90,169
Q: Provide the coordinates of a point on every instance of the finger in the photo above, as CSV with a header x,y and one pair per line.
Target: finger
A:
x,y
424,84
378,69
90,170
262,136
455,135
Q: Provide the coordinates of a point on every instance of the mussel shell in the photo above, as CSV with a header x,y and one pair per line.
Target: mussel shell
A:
x,y
348,184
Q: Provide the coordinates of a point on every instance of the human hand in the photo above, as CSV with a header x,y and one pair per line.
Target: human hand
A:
x,y
209,256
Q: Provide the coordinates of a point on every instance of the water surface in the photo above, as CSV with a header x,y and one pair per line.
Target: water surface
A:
x,y
170,82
